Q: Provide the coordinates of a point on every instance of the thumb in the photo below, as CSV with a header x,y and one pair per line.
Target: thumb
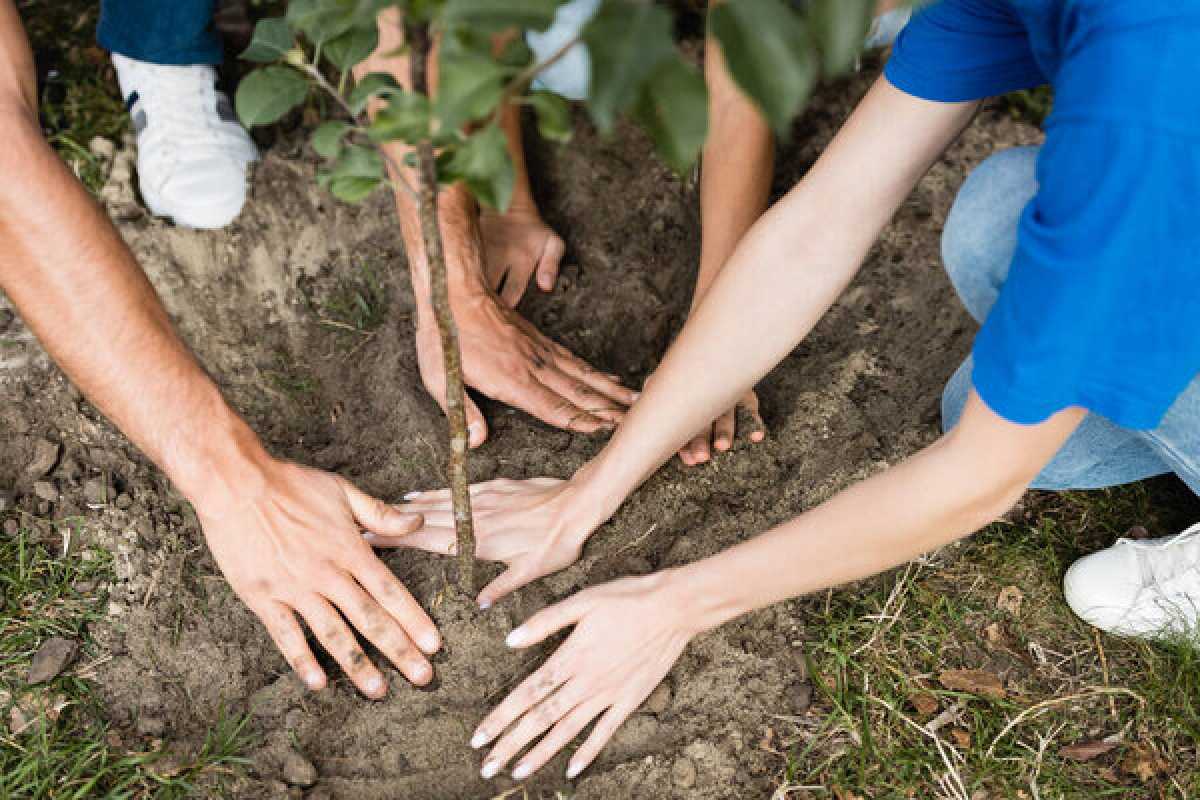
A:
x,y
377,516
548,264
477,429
507,582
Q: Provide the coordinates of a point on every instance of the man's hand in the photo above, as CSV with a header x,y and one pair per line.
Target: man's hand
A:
x,y
509,360
296,548
517,245
721,433
535,526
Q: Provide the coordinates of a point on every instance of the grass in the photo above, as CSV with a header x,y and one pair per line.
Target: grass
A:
x,y
877,646
73,753
357,303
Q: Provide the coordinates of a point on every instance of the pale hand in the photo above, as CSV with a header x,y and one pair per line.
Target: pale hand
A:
x,y
721,434
627,636
296,547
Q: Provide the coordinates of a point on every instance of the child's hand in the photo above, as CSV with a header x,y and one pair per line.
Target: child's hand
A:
x,y
536,527
721,433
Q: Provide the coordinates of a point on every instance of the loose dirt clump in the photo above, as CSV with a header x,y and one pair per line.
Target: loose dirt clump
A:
x,y
259,305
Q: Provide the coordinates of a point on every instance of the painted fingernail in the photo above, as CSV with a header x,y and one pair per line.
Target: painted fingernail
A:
x,y
429,642
369,537
490,768
485,604
373,685
421,672
478,740
573,771
313,680
516,638
412,495
521,772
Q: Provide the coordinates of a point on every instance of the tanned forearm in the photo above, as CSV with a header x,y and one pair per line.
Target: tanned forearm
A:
x,y
79,289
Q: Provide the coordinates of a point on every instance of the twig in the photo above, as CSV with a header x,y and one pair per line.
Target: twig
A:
x,y
1045,705
1112,701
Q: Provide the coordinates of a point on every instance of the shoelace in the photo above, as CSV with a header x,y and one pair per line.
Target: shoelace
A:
x,y
181,109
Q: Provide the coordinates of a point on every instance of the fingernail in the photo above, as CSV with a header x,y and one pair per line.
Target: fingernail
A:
x,y
430,642
516,638
490,769
637,396
484,605
573,771
474,431
374,685
313,680
369,537
421,672
412,495
521,772
478,740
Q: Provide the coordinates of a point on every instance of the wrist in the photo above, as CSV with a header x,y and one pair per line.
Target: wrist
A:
x,y
598,493
710,601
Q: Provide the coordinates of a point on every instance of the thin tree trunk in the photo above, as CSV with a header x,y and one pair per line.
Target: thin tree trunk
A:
x,y
417,36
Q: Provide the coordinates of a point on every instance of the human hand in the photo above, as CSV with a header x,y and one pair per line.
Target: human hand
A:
x,y
627,635
536,527
509,360
295,547
517,245
720,434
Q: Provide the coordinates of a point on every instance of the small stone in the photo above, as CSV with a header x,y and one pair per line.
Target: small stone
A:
x,y
151,725
659,699
96,493
45,456
297,770
51,659
46,491
683,773
124,501
802,694
11,527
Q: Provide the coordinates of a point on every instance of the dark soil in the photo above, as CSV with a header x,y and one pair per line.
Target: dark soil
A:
x,y
859,394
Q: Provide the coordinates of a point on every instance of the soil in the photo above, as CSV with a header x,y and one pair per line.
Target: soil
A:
x,y
861,393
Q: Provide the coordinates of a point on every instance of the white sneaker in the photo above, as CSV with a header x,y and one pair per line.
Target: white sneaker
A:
x,y
1147,588
192,153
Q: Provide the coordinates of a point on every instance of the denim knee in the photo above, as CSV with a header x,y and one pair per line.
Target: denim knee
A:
x,y
980,236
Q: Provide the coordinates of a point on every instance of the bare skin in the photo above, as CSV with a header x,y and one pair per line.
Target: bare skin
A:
x,y
784,275
287,538
491,259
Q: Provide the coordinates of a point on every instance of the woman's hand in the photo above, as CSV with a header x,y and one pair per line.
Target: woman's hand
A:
x,y
627,636
720,435
536,527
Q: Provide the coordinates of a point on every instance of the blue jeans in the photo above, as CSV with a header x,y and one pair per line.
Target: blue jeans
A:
x,y
160,31
978,244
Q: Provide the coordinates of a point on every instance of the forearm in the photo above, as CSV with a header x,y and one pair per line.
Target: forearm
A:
x,y
736,169
967,479
78,288
784,275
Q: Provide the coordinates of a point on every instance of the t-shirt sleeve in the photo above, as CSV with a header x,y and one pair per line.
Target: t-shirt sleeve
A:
x,y
959,50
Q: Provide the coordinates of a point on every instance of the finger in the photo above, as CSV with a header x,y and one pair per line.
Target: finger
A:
x,y
552,408
599,737
494,486
724,429
533,690
582,395
607,385
477,429
288,636
697,448
548,621
515,284
389,594
381,629
758,428
505,583
559,737
338,640
548,265
439,541
532,724
377,516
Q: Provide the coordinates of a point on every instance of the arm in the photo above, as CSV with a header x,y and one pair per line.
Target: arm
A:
x,y
490,259
286,537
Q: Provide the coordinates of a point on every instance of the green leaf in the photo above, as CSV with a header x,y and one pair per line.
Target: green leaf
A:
x,y
483,164
272,38
769,54
470,85
516,53
627,42
372,85
498,16
351,47
356,173
267,94
327,138
323,20
840,27
405,118
553,115
673,109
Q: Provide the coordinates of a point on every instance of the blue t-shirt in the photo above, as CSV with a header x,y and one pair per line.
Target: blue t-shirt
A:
x,y
1101,308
